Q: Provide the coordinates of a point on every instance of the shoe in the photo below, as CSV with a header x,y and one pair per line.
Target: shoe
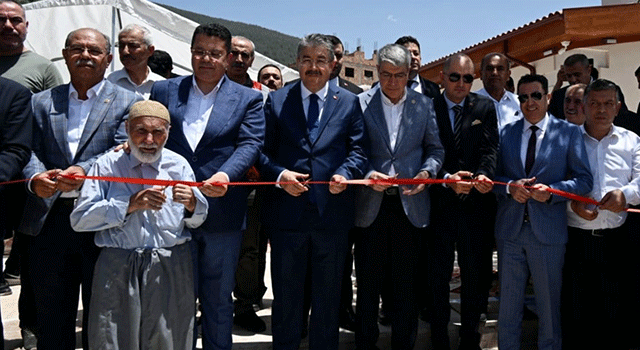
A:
x,y
5,289
250,321
383,318
12,279
347,319
29,339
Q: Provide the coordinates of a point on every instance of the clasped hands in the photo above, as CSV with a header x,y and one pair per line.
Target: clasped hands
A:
x,y
46,183
153,198
527,188
295,183
406,190
482,183
613,201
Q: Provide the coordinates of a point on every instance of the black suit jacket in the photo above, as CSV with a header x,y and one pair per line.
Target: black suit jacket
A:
x,y
429,88
349,86
556,105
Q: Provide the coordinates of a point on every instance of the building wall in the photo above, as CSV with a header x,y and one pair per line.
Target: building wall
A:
x,y
359,70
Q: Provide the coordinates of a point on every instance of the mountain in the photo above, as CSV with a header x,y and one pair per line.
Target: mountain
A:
x,y
278,46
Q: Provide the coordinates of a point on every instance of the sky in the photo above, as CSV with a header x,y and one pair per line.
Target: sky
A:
x,y
441,27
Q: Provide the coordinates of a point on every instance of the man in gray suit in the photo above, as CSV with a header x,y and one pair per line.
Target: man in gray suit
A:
x,y
74,124
404,142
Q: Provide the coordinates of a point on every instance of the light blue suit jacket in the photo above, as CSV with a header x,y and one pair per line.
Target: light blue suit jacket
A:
x,y
231,143
561,163
103,130
417,148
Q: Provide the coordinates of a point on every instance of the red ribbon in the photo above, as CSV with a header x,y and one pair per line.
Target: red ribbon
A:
x,y
390,181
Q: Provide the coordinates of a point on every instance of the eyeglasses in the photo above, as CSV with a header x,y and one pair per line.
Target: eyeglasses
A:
x,y
399,76
244,55
201,54
536,96
467,78
131,45
79,50
310,62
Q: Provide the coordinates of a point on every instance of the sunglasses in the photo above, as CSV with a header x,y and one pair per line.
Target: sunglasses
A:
x,y
536,96
467,78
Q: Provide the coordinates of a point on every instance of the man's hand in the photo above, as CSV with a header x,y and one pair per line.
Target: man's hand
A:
x,y
539,192
614,201
580,208
294,187
484,184
521,194
123,147
43,184
464,186
150,198
337,184
379,176
423,175
213,187
184,194
66,184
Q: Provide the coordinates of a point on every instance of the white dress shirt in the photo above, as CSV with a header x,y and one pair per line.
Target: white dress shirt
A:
x,y
392,116
507,109
79,113
122,79
199,107
615,164
415,84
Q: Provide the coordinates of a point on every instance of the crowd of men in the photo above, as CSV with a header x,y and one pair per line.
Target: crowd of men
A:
x,y
152,254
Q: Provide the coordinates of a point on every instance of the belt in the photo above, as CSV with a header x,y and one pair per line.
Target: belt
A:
x,y
601,232
392,191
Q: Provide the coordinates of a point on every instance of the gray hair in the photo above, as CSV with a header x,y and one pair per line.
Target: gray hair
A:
x,y
107,47
146,34
239,37
397,55
316,40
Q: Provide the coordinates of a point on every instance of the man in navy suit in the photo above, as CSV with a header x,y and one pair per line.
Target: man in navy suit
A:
x,y
463,219
218,126
537,152
313,131
74,124
404,142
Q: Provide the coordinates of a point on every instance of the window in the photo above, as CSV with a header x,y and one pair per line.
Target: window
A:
x,y
349,72
368,74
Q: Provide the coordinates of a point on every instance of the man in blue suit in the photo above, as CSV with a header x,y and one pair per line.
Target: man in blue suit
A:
x,y
218,126
404,142
74,124
537,152
313,131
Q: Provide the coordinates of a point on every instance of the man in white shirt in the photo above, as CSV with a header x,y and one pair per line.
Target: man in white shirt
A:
x,y
495,71
135,46
594,283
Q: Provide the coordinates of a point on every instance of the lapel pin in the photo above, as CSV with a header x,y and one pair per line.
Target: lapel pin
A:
x,y
107,100
335,97
413,102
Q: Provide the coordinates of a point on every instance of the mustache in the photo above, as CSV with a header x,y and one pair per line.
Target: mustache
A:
x,y
83,62
312,72
237,65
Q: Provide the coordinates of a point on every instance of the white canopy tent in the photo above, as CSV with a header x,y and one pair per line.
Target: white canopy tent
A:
x,y
51,20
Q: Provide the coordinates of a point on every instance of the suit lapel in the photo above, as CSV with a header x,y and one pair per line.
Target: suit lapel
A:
x,y
98,112
544,146
375,113
406,123
177,110
329,106
442,114
223,109
58,116
516,141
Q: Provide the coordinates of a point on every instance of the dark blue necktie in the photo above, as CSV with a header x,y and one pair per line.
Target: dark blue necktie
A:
x,y
531,150
312,117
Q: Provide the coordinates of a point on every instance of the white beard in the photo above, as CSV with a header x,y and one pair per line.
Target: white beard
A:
x,y
146,157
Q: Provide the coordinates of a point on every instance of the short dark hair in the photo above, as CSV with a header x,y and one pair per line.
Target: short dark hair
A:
x,y
577,58
267,66
532,78
406,40
214,29
637,72
489,55
335,41
602,85
160,63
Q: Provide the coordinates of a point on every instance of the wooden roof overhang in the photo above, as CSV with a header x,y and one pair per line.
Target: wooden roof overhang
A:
x,y
583,27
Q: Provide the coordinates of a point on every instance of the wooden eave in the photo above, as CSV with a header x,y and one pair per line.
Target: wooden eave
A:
x,y
584,27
